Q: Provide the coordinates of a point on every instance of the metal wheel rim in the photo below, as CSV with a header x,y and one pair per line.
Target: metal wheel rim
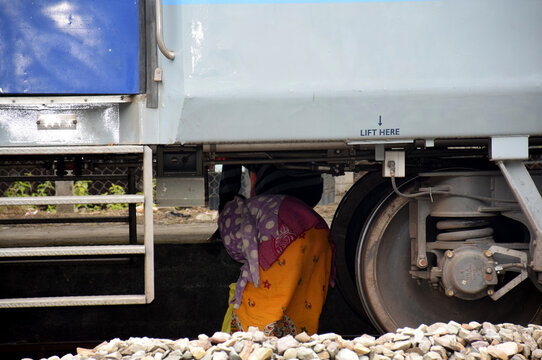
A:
x,y
377,283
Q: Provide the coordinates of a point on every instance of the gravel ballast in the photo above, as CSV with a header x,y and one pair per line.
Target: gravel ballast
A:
x,y
440,341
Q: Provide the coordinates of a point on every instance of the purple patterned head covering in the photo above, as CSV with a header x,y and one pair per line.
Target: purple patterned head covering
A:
x,y
244,224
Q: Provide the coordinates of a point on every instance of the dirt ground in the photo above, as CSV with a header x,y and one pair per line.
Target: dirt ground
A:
x,y
165,215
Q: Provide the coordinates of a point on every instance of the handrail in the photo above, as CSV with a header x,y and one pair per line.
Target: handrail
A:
x,y
159,35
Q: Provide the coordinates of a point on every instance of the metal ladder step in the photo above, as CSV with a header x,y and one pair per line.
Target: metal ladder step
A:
x,y
76,150
147,249
62,200
72,250
73,301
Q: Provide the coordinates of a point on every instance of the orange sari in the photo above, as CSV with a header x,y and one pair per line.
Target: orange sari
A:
x,y
292,291
286,253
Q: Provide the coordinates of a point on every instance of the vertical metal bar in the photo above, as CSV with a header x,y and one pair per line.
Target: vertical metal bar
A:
x,y
151,53
148,232
159,34
423,210
529,199
132,220
142,48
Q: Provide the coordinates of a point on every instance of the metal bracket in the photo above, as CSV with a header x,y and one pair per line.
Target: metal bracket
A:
x,y
394,164
522,256
530,201
419,211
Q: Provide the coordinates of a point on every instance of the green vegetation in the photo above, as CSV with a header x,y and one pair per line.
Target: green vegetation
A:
x,y
80,188
116,190
24,189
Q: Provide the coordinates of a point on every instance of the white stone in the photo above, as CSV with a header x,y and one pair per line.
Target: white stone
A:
x,y
303,337
304,353
459,356
318,348
286,342
508,348
345,354
537,354
418,336
431,355
425,345
258,336
361,350
401,345
332,349
114,355
238,346
407,331
261,354
453,327
181,344
401,337
323,355
491,335
439,350
220,355
449,342
365,340
413,356
385,338
197,351
328,336
174,355
290,353
219,337
380,357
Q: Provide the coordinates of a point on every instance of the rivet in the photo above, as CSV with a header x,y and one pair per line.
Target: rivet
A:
x,y
422,263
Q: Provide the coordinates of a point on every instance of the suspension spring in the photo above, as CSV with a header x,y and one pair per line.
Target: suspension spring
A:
x,y
464,229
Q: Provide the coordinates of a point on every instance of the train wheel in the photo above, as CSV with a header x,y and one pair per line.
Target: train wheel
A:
x,y
393,299
354,209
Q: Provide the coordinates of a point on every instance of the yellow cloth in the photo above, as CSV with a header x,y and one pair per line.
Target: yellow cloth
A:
x,y
292,291
226,324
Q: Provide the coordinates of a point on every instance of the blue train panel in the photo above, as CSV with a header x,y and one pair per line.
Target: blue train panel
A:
x,y
69,47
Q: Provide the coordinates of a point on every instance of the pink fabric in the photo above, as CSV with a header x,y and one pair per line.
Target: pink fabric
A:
x,y
294,218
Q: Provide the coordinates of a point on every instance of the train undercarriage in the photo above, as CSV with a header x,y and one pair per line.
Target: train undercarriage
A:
x,y
453,239
449,241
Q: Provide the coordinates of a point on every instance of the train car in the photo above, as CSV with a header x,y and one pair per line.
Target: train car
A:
x,y
437,102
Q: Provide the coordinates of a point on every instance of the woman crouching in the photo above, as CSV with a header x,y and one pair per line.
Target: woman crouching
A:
x,y
287,258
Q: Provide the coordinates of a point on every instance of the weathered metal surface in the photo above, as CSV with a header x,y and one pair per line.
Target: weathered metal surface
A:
x,y
180,191
22,124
